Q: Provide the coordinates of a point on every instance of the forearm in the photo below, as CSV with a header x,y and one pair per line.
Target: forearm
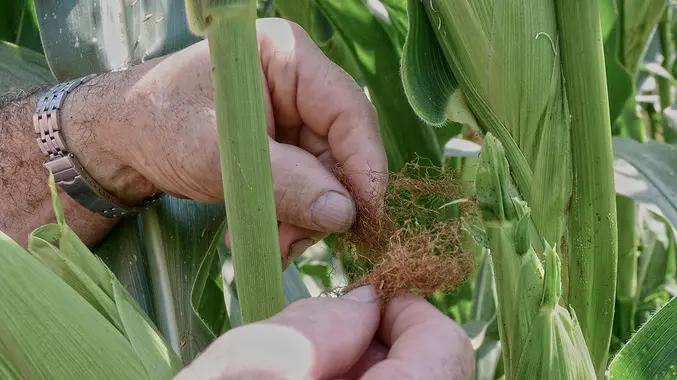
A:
x,y
88,114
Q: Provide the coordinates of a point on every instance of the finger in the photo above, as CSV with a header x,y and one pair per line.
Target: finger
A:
x,y
306,193
424,344
295,240
308,89
340,330
376,352
317,338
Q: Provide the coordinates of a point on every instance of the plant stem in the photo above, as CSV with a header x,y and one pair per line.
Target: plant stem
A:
x,y
626,288
159,275
592,223
664,34
230,27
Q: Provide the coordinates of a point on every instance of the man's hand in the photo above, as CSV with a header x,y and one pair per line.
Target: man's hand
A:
x,y
345,338
152,127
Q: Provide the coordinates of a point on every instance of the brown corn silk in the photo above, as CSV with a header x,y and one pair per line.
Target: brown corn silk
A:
x,y
409,240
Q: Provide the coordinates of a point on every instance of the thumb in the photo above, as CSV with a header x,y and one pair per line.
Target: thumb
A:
x,y
315,338
307,194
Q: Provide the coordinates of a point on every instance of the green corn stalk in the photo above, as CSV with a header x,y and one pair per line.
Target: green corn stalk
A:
x,y
665,36
531,73
230,28
626,288
592,221
540,339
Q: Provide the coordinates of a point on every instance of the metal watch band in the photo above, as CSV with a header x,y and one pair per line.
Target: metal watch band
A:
x,y
68,172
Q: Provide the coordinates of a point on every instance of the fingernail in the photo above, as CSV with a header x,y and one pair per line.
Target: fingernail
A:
x,y
333,211
362,294
297,249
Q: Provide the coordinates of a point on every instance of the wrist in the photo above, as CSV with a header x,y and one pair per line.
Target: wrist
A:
x,y
93,131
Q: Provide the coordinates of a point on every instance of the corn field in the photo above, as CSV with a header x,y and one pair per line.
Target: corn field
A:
x,y
558,118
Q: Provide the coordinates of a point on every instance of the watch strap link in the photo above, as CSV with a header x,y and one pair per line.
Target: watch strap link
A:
x,y
67,170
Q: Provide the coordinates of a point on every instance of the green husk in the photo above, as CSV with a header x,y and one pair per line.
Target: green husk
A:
x,y
539,338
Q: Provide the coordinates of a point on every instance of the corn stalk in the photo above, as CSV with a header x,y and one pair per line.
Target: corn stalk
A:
x,y
230,28
592,221
531,73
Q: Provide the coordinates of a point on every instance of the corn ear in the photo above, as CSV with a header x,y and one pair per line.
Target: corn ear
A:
x,y
539,338
516,67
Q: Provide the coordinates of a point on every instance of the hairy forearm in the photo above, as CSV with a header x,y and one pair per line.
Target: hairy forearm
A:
x,y
90,116
25,201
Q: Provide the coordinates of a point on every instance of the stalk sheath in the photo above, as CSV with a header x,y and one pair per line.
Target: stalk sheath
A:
x,y
230,28
592,221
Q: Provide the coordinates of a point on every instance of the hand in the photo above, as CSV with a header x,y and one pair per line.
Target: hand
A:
x,y
324,338
162,134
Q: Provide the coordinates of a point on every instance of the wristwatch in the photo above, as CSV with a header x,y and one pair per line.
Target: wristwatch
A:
x,y
67,170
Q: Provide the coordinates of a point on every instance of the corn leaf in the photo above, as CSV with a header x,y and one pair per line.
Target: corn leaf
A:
x,y
652,351
397,19
100,38
427,79
640,18
48,331
488,354
647,173
19,24
207,294
75,277
87,274
620,86
21,68
406,137
157,357
177,235
122,252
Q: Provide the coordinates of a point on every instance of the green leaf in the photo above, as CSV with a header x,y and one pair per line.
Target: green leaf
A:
x,y
426,76
122,252
659,71
647,173
82,37
406,137
484,297
318,270
177,234
76,278
607,16
620,86
21,69
652,351
87,274
156,356
18,24
207,294
54,333
640,18
397,16
294,287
